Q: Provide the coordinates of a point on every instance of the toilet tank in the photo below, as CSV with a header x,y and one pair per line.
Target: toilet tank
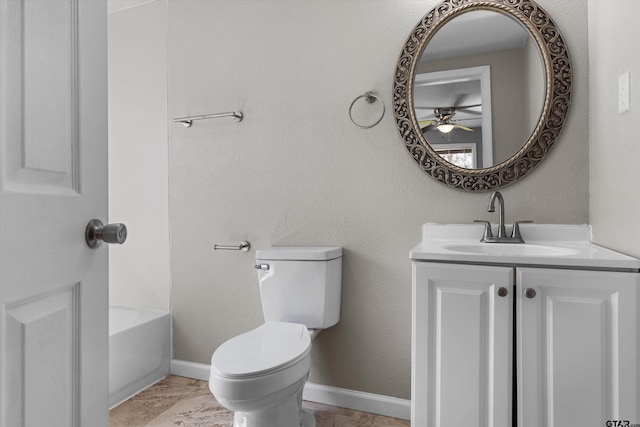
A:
x,y
302,284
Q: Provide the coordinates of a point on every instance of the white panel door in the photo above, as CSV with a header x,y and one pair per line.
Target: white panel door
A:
x,y
577,347
462,345
53,150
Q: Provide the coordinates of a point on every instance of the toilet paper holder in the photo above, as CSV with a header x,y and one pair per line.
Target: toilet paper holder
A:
x,y
243,246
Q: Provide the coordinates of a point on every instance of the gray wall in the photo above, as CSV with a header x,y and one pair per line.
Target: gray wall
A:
x,y
139,273
613,137
296,171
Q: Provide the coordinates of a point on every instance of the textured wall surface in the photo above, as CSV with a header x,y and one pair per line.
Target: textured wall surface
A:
x,y
296,171
139,274
614,149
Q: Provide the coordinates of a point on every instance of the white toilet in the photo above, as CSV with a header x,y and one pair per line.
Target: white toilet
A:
x,y
260,374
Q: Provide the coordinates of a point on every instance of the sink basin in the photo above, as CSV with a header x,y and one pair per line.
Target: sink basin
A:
x,y
508,249
546,245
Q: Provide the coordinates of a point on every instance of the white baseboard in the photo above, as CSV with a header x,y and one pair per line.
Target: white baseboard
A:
x,y
358,400
335,396
198,371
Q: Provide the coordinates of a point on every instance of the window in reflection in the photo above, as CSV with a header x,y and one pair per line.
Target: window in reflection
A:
x,y
457,154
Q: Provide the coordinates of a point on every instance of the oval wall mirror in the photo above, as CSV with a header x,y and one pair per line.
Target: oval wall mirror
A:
x,y
481,91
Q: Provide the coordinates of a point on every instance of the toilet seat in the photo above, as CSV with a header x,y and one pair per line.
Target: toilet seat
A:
x,y
269,348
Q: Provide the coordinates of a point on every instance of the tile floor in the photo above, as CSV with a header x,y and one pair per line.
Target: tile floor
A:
x,y
185,402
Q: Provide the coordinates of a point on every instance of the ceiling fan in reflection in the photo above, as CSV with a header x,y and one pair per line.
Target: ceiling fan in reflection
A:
x,y
443,118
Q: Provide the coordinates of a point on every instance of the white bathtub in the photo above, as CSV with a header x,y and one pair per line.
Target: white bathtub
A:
x,y
139,350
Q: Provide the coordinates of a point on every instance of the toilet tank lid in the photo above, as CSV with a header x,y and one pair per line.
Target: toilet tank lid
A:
x,y
300,253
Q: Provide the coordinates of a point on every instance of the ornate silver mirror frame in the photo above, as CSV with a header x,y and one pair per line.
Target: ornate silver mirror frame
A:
x,y
558,74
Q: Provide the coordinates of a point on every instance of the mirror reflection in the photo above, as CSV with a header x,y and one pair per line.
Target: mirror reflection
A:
x,y
479,89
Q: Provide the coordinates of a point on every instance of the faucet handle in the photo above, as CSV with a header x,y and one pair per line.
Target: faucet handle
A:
x,y
515,232
487,229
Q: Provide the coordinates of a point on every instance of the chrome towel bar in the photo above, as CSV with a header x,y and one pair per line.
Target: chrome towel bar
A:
x,y
188,121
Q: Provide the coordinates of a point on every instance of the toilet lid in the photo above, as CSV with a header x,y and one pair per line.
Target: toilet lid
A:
x,y
266,348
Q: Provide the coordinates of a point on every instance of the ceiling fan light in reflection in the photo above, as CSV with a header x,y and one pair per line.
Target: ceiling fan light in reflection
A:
x,y
445,128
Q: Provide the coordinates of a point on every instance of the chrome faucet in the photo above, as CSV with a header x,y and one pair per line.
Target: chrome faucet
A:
x,y
488,236
492,208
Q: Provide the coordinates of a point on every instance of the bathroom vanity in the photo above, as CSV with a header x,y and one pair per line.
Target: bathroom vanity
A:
x,y
543,333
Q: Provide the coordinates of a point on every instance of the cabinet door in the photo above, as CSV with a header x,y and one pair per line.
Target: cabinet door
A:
x,y
462,345
577,351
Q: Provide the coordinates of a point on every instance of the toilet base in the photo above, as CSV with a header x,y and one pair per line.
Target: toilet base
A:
x,y
241,419
244,419
308,420
287,413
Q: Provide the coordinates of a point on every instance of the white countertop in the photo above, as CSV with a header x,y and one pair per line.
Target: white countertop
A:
x,y
545,245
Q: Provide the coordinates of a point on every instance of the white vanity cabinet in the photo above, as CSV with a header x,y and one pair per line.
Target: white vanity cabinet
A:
x,y
577,347
462,345
544,346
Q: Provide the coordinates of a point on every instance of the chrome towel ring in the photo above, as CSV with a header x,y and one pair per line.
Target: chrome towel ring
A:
x,y
370,97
